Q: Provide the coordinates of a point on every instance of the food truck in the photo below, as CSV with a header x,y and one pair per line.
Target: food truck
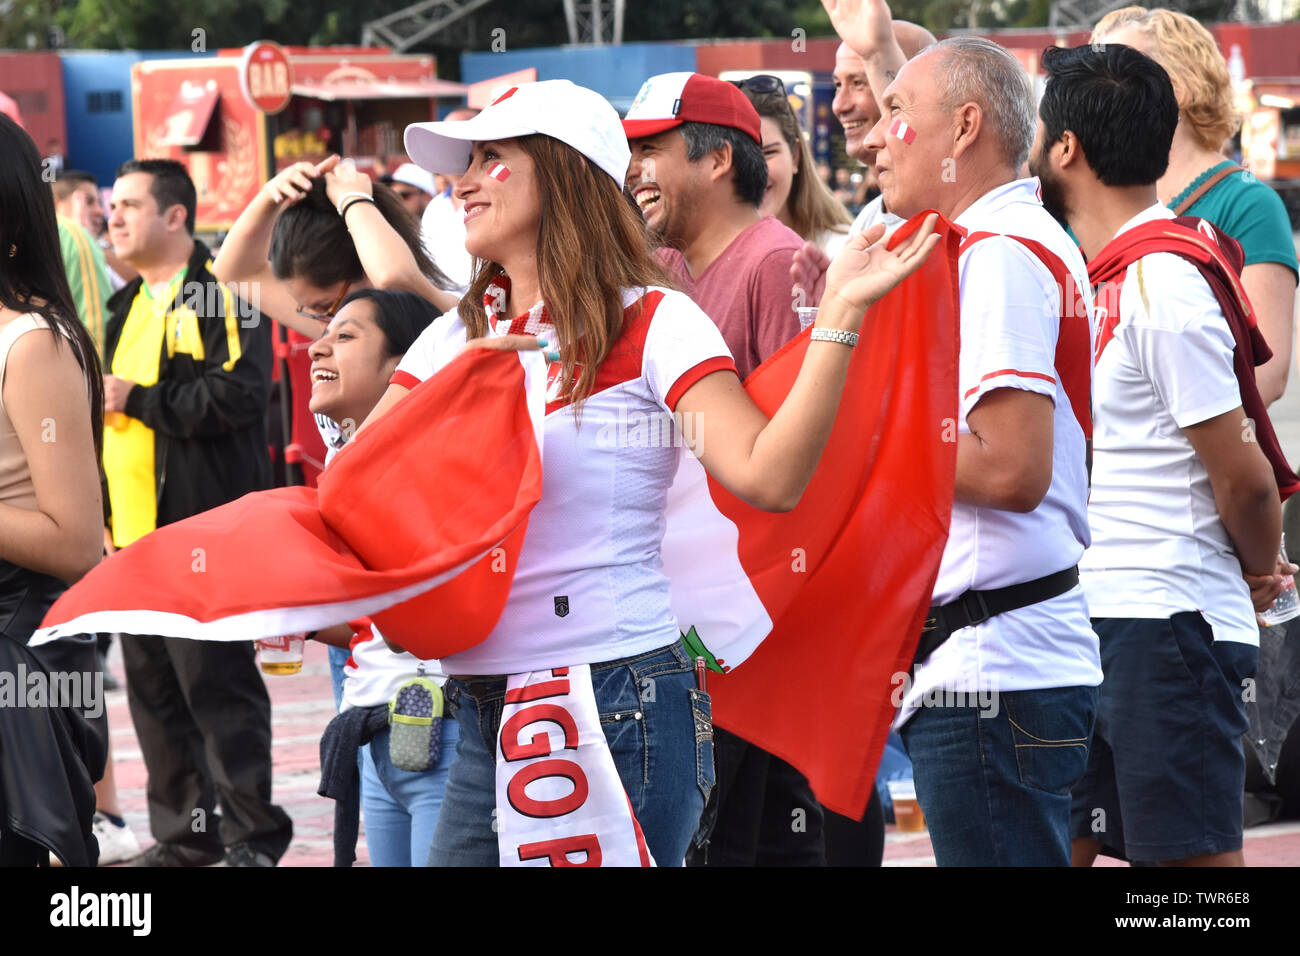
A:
x,y
237,118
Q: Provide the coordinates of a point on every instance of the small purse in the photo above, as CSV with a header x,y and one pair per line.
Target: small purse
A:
x,y
415,725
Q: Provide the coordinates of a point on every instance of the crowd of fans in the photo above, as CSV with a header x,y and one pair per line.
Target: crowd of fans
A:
x,y
1112,538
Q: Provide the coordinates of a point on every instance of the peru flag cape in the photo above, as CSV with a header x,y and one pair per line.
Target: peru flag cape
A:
x,y
847,575
415,520
409,525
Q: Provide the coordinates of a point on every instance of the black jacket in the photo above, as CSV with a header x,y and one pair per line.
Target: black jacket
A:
x,y
208,410
50,753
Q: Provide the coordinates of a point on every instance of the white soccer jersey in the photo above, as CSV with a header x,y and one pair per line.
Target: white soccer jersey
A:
x,y
589,586
1010,319
1159,547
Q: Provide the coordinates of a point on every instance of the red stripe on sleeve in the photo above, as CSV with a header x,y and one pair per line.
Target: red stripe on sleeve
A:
x,y
719,363
404,379
1008,371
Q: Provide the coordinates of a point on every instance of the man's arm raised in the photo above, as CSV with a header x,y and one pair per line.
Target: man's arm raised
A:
x,y
867,27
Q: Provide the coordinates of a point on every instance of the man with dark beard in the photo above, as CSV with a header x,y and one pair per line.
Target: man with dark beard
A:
x,y
1182,504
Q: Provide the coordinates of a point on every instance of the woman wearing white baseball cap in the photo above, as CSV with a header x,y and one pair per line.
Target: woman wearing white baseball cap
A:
x,y
564,264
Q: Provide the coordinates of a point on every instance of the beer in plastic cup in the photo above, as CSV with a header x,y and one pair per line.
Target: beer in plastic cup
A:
x,y
281,655
907,812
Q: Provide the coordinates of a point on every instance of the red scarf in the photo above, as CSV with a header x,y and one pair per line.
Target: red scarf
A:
x,y
535,321
1073,342
1218,258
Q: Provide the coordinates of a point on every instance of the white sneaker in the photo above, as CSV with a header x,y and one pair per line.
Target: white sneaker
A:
x,y
116,843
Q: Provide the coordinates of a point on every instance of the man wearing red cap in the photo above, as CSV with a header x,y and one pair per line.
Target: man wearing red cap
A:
x,y
698,175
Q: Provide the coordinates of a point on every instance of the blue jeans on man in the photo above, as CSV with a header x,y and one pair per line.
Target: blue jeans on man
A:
x,y
994,782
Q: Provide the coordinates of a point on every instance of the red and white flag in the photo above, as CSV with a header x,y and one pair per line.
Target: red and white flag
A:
x,y
414,517
370,540
900,130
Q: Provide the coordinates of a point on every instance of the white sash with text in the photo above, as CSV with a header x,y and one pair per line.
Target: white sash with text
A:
x,y
560,801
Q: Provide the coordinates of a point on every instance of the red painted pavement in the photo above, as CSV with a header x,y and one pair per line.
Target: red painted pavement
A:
x,y
301,706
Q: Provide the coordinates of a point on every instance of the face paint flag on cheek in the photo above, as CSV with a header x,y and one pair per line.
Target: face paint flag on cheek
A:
x,y
499,172
900,130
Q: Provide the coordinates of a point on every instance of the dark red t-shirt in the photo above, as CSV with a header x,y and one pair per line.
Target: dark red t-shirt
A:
x,y
747,290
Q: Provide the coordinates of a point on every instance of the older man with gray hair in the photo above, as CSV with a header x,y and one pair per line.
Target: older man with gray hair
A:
x,y
997,713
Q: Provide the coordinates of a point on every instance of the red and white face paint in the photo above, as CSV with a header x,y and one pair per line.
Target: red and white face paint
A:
x,y
499,172
900,130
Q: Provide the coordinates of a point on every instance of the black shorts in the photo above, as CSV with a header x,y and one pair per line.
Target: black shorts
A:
x,y
1166,771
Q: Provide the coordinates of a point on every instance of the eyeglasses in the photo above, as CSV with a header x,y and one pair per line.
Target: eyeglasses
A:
x,y
762,83
334,307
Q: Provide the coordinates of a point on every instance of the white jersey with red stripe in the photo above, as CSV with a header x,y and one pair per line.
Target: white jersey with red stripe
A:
x,y
1010,322
589,585
1161,547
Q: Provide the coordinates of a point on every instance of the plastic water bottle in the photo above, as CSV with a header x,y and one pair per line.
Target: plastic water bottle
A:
x,y
1287,605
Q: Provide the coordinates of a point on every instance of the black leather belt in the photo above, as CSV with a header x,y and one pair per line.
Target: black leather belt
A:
x,y
482,687
976,607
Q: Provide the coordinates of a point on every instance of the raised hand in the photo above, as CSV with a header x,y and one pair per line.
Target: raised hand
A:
x,y
865,25
343,177
865,271
290,184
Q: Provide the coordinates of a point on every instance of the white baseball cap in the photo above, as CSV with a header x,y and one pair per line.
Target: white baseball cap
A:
x,y
413,175
573,114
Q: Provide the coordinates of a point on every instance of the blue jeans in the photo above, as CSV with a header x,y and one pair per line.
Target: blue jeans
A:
x,y
996,789
338,658
894,765
650,712
401,807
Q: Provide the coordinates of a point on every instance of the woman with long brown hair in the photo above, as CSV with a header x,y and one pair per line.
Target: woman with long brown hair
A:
x,y
796,195
51,520
564,264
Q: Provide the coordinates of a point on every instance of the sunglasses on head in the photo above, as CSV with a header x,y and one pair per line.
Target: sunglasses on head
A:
x,y
762,83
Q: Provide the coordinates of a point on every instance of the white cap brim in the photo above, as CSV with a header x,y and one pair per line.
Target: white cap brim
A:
x,y
444,147
576,116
